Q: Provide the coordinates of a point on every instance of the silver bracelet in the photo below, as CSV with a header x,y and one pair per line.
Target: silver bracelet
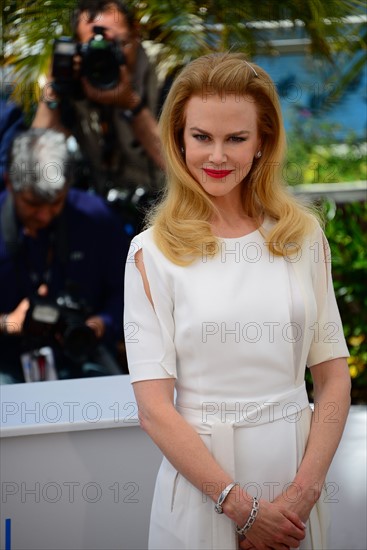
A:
x,y
250,520
222,497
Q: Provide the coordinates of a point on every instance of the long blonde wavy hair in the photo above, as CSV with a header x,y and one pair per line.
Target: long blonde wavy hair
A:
x,y
182,218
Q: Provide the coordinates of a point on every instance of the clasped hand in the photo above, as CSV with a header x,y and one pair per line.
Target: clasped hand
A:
x,y
276,528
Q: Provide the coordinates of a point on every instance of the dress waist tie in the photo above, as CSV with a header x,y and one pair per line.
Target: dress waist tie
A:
x,y
220,420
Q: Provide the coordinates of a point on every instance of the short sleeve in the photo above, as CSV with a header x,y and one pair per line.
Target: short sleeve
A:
x,y
328,340
149,331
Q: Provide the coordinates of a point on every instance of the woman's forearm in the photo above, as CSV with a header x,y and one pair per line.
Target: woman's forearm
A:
x,y
180,443
331,405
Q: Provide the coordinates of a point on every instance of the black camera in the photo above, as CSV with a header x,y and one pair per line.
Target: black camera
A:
x,y
132,205
60,321
101,60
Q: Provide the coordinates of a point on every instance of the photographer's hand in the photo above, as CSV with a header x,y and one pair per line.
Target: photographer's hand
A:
x,y
122,95
15,319
96,323
143,123
48,112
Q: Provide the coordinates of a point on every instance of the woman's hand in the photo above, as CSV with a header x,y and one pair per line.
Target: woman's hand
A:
x,y
299,500
276,526
245,544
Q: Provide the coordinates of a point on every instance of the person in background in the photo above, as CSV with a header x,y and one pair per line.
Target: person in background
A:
x,y
116,128
62,255
231,296
11,123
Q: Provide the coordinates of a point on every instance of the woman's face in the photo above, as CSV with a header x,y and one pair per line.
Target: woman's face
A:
x,y
220,139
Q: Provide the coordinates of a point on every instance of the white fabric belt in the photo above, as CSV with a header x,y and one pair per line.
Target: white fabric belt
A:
x,y
221,419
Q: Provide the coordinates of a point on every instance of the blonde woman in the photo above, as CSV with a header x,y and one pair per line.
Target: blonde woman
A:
x,y
230,296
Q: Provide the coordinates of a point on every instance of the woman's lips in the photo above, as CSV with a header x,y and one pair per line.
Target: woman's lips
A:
x,y
219,174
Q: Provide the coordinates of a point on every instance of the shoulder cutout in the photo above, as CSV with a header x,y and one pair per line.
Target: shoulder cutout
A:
x,y
139,262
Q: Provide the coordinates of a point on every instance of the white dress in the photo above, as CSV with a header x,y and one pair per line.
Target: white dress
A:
x,y
236,331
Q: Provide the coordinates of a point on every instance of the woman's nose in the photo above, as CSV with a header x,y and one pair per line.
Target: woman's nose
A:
x,y
217,155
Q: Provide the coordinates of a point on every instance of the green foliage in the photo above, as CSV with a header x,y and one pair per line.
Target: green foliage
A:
x,y
181,30
314,157
346,230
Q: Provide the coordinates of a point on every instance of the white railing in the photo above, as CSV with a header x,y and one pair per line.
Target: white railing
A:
x,y
339,192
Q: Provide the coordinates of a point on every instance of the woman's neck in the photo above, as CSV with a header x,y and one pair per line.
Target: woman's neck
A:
x,y
230,220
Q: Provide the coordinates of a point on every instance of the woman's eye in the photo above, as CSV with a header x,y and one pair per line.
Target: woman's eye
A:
x,y
237,139
205,137
201,137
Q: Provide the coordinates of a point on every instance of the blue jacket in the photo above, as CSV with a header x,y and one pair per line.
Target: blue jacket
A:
x,y
94,262
11,123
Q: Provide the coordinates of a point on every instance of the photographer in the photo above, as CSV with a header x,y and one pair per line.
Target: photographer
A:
x,y
62,254
11,123
112,117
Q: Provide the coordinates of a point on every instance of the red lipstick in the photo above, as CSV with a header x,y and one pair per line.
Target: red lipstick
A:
x,y
219,174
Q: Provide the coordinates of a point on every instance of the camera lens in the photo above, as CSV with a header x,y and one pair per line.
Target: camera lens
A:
x,y
101,63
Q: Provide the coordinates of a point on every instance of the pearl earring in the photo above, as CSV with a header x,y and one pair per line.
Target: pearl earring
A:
x,y
258,155
182,150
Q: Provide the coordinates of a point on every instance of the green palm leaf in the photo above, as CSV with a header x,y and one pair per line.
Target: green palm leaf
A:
x,y
180,29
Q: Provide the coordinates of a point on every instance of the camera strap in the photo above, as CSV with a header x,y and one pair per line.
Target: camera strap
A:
x,y
9,227
15,246
108,136
57,249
